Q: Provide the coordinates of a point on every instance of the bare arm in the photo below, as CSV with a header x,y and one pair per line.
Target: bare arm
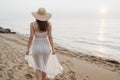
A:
x,y
50,37
30,37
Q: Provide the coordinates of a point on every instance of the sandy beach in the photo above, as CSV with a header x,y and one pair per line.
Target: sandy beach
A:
x,y
77,66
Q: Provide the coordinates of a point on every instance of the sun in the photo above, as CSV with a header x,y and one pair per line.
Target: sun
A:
x,y
103,10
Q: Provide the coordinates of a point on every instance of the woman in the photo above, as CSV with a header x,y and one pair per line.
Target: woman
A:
x,y
40,47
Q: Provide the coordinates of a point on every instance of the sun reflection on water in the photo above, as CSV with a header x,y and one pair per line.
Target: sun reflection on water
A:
x,y
101,38
102,31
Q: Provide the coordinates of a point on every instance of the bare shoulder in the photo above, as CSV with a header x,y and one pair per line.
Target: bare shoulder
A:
x,y
32,24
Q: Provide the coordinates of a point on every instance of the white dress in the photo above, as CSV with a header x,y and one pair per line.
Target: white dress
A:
x,y
40,56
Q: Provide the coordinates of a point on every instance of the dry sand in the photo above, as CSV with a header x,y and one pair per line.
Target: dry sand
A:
x,y
77,66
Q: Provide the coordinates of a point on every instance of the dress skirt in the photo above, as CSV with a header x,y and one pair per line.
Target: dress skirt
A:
x,y
41,58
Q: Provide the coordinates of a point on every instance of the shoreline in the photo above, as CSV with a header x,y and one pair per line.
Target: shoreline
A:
x,y
101,61
88,53
75,64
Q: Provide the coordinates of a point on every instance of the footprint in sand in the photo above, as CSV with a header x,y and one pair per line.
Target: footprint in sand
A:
x,y
69,62
70,73
84,77
28,76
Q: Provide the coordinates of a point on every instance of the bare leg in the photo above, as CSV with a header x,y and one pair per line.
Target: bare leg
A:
x,y
38,74
45,57
43,75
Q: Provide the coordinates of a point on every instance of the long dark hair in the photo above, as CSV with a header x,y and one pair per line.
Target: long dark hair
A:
x,y
42,25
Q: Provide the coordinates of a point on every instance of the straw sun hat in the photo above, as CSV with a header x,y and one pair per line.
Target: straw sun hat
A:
x,y
42,15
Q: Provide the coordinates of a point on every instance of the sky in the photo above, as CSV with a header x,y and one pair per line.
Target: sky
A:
x,y
61,8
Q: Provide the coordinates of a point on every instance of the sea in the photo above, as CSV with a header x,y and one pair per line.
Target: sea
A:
x,y
98,37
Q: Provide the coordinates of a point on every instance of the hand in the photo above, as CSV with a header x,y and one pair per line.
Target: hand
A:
x,y
53,52
27,52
